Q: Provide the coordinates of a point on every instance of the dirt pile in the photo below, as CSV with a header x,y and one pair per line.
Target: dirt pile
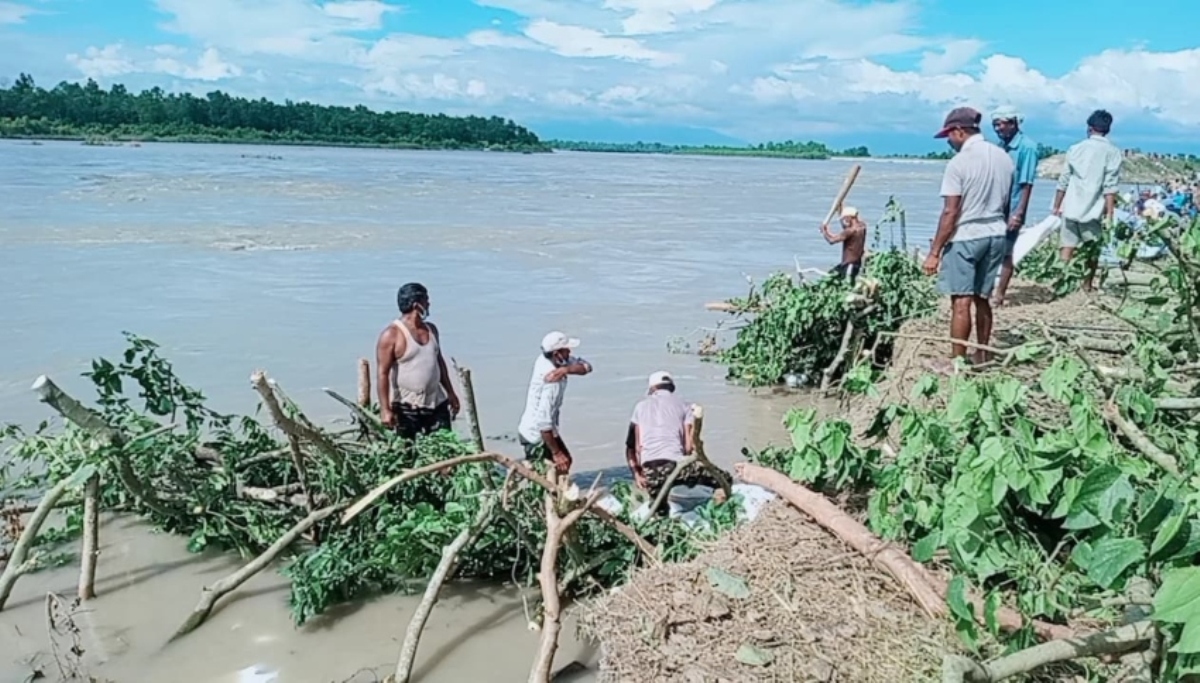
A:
x,y
777,599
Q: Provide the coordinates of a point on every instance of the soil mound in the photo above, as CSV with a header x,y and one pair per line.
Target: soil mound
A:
x,y
777,599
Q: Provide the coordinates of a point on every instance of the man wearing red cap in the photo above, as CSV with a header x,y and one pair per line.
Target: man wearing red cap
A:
x,y
969,246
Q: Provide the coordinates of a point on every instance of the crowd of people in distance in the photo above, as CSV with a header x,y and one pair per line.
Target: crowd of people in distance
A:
x,y
416,397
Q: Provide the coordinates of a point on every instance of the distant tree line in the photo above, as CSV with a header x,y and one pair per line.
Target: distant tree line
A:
x,y
788,149
71,110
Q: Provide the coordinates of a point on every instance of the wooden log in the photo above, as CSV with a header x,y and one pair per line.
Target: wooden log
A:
x,y
464,378
957,669
364,383
300,428
90,552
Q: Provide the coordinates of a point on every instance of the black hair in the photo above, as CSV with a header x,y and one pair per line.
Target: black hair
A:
x,y
666,386
1100,121
410,295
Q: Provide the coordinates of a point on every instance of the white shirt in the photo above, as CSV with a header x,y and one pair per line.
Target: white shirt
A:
x,y
981,173
661,419
1093,171
543,401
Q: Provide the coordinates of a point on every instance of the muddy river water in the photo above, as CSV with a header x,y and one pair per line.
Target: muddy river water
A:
x,y
235,258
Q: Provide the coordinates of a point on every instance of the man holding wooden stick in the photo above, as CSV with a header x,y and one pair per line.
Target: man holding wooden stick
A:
x,y
853,238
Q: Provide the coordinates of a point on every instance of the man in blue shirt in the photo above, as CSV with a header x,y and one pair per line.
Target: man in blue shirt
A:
x,y
1006,121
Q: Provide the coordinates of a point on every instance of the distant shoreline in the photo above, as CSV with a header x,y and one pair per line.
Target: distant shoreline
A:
x,y
126,140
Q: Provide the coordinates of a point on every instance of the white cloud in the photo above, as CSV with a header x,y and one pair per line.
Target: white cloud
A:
x,y
656,16
116,60
12,13
953,56
578,41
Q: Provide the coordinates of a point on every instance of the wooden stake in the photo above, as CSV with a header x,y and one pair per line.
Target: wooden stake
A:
x,y
464,378
364,383
19,562
91,538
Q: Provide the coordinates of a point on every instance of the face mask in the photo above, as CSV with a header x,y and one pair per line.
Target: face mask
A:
x,y
424,314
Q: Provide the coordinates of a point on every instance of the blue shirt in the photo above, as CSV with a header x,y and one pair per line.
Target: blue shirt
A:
x,y
1024,155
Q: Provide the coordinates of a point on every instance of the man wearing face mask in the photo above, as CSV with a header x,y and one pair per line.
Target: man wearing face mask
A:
x,y
1006,121
538,429
970,243
415,392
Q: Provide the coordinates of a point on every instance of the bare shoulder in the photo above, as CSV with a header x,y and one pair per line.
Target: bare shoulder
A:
x,y
433,330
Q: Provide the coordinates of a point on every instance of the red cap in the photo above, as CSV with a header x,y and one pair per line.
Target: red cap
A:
x,y
962,117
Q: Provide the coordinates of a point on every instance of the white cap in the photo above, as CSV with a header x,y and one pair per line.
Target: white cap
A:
x,y
660,377
849,212
556,341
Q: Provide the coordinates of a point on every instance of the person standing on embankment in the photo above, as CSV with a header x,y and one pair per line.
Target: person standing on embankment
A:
x,y
538,429
1006,121
1087,189
969,245
416,395
853,239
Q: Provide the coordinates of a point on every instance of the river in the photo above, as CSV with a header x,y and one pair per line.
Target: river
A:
x,y
288,259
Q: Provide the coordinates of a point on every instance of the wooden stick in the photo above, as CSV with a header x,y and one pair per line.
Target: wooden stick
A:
x,y
90,552
556,528
926,590
210,594
445,570
848,183
18,562
647,549
698,456
464,378
1139,439
91,422
364,415
827,374
957,669
364,383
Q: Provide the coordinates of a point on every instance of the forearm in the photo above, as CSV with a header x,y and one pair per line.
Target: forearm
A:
x,y
1023,202
944,232
1110,205
383,386
581,367
635,462
550,438
1058,198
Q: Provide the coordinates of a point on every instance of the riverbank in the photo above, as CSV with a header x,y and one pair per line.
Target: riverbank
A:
x,y
1137,168
135,139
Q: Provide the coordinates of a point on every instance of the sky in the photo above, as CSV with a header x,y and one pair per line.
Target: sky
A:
x,y
882,73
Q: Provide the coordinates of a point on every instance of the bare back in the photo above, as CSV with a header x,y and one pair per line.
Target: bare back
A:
x,y
855,244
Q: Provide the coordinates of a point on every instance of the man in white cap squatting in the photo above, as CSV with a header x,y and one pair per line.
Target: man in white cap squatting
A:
x,y
1006,121
538,430
853,239
661,434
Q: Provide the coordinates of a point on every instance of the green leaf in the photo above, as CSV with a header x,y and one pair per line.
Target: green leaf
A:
x,y
963,404
1167,533
991,608
924,549
1111,557
1178,598
956,599
1094,485
727,584
1189,640
753,656
1114,504
80,476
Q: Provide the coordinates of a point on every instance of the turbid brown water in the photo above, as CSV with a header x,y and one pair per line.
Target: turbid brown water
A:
x,y
233,262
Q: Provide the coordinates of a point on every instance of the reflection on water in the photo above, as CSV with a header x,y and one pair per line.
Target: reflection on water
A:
x,y
234,263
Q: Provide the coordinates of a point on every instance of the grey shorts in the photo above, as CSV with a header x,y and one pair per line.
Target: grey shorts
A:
x,y
970,267
1075,233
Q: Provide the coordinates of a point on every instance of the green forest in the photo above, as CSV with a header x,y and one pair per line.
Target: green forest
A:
x,y
91,113
784,150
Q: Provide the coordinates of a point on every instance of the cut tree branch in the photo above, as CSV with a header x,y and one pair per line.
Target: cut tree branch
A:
x,y
18,561
210,594
957,669
521,469
293,428
698,456
445,570
840,357
464,378
91,422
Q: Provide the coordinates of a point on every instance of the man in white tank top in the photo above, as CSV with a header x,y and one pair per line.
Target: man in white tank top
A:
x,y
415,392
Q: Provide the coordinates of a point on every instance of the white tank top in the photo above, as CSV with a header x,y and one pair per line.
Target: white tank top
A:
x,y
417,377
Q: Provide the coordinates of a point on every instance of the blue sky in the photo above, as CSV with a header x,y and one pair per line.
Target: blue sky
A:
x,y
847,72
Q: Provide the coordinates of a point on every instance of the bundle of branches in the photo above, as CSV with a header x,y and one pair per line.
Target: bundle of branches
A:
x,y
1089,516
814,330
152,447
